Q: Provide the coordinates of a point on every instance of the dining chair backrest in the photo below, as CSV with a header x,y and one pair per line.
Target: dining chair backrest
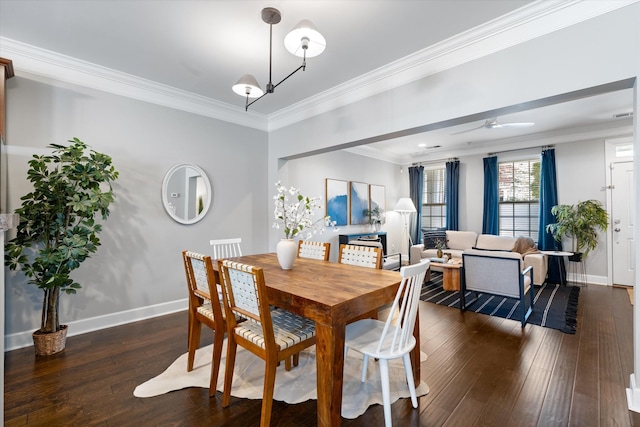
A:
x,y
397,334
226,248
245,292
363,256
201,279
314,250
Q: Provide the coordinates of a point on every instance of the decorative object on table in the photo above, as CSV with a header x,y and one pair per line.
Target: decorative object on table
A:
x,y
580,223
441,244
337,195
303,41
375,216
556,305
405,207
57,229
359,202
295,217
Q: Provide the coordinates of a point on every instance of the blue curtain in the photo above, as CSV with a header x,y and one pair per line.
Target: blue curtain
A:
x,y
490,218
416,183
452,185
548,199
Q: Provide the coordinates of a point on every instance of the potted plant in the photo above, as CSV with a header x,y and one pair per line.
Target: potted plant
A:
x,y
375,217
57,229
580,223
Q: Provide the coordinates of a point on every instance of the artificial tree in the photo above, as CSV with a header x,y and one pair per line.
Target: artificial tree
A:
x,y
57,229
580,223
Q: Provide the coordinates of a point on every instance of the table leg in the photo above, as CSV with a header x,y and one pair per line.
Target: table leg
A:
x,y
330,367
415,353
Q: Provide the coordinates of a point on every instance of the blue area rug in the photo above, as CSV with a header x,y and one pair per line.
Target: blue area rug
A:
x,y
555,306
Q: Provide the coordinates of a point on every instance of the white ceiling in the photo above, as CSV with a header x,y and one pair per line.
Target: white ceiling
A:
x,y
203,47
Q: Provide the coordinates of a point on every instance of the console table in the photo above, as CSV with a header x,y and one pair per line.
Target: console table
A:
x,y
344,239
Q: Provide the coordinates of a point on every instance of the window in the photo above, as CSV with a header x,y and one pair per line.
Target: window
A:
x,y
519,190
433,199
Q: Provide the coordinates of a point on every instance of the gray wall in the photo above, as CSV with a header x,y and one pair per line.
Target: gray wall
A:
x,y
138,269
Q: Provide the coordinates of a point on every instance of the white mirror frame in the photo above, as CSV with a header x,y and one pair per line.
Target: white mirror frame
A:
x,y
174,191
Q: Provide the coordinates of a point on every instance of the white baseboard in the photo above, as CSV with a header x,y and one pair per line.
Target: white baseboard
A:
x,y
24,339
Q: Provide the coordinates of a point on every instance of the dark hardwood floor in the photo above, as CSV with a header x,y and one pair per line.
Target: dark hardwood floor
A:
x,y
481,370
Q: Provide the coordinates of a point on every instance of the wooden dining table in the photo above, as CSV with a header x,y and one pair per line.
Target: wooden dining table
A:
x,y
332,295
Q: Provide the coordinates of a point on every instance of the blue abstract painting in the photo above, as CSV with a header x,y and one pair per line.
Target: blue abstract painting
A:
x,y
337,200
359,202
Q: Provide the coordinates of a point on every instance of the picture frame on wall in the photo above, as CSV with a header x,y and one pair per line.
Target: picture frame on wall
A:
x,y
358,202
337,197
377,198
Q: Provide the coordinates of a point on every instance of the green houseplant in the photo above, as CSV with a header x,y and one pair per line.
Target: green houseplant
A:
x,y
580,223
57,229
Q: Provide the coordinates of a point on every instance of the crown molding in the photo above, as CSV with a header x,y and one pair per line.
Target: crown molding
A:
x,y
47,64
527,23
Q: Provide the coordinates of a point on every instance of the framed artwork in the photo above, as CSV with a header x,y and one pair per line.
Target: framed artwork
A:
x,y
359,202
337,196
377,198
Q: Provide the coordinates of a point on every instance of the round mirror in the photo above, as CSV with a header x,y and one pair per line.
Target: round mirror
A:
x,y
186,193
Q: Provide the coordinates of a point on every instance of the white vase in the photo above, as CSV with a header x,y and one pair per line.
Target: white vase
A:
x,y
287,250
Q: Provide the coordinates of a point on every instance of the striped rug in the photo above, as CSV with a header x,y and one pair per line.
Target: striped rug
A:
x,y
555,306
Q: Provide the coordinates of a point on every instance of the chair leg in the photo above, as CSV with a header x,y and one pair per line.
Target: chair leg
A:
x,y
228,371
365,362
296,359
287,364
406,361
218,340
267,393
195,328
386,395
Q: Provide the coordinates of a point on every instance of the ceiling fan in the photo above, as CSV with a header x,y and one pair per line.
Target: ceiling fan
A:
x,y
494,124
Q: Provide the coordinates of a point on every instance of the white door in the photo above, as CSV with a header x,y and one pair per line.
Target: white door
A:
x,y
622,203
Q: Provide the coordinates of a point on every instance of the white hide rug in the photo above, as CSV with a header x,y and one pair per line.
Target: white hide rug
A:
x,y
295,386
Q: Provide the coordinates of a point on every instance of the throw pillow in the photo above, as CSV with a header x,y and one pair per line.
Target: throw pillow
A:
x,y
431,237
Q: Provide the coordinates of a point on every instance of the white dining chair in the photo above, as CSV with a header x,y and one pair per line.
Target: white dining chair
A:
x,y
394,338
226,248
362,256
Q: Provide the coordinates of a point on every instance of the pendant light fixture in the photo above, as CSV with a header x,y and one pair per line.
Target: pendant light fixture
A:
x,y
303,41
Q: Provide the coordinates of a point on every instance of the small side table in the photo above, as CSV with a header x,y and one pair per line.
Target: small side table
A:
x,y
563,268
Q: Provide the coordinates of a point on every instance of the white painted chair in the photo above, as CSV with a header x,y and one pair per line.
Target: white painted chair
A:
x,y
394,338
314,250
362,256
226,248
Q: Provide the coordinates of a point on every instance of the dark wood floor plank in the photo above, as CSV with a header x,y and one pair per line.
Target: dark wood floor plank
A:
x,y
481,370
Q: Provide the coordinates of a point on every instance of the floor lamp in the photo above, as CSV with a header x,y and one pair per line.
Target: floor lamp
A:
x,y
405,208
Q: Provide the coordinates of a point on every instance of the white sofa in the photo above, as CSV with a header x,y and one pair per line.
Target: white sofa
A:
x,y
459,241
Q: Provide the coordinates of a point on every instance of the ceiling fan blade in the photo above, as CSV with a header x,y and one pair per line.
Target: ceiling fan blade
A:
x,y
516,125
468,130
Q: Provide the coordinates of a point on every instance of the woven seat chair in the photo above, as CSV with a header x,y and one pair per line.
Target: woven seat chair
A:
x,y
363,256
226,248
314,250
393,338
271,334
205,308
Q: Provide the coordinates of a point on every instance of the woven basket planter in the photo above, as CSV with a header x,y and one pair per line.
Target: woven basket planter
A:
x,y
48,344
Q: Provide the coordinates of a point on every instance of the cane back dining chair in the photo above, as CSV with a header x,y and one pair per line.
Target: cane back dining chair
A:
x,y
314,250
226,248
271,334
393,338
363,256
204,309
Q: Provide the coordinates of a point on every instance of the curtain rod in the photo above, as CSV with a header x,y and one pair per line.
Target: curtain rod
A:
x,y
543,147
430,162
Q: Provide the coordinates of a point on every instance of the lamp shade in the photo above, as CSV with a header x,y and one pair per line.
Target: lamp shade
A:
x,y
405,205
305,33
248,86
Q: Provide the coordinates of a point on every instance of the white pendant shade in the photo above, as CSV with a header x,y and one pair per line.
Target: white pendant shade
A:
x,y
248,86
293,41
